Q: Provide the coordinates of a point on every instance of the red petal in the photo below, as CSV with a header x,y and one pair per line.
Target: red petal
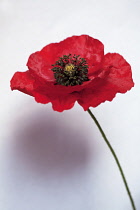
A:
x,y
120,72
98,92
40,67
63,103
83,45
40,63
59,103
117,80
54,91
40,98
23,81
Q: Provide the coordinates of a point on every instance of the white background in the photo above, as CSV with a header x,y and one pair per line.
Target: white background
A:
x,y
59,161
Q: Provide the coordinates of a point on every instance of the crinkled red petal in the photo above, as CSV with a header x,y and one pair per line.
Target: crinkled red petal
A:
x,y
117,80
59,103
40,98
40,67
40,63
63,103
23,82
120,72
98,92
54,91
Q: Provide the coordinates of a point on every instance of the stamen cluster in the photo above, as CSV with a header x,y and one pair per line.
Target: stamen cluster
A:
x,y
70,70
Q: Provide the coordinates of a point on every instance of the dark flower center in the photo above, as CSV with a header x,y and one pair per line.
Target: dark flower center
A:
x,y
70,70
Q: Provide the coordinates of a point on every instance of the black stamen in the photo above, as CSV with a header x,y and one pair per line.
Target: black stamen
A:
x,y
70,70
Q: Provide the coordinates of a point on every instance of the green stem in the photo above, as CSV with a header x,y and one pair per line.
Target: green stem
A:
x,y
115,157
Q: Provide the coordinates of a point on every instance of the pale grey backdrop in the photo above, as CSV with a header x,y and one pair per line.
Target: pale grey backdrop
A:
x,y
58,161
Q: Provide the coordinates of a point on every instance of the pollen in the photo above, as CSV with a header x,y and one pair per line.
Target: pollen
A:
x,y
69,67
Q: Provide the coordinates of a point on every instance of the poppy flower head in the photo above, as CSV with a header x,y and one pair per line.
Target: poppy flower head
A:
x,y
74,69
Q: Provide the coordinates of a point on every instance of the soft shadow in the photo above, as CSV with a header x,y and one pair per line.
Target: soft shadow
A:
x,y
45,144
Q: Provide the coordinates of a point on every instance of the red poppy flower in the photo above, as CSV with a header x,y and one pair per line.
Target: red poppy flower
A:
x,y
74,69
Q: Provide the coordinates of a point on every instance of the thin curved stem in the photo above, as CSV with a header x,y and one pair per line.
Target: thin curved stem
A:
x,y
115,157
